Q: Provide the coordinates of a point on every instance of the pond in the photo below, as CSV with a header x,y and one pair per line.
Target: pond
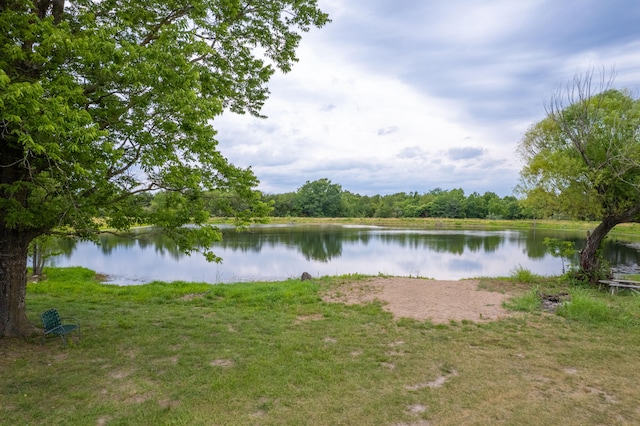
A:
x,y
279,252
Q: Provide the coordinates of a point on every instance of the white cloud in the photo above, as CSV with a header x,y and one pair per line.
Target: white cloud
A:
x,y
374,118
415,95
465,153
474,23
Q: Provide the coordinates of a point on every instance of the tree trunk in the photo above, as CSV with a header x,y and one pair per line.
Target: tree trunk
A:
x,y
37,256
13,283
589,261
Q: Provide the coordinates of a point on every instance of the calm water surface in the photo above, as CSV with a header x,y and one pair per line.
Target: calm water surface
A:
x,y
271,253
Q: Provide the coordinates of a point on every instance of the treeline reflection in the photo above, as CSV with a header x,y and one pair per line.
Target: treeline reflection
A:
x,y
323,243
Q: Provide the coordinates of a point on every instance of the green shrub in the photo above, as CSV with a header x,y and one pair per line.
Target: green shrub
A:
x,y
585,308
522,275
562,249
528,302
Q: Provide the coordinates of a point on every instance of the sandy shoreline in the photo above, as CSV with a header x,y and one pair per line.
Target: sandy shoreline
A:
x,y
421,299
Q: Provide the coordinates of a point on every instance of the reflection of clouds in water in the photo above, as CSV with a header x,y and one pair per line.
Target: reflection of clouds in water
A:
x,y
464,265
430,255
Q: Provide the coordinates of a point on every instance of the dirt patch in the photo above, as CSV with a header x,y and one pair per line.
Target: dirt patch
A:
x,y
417,408
222,363
304,318
102,277
438,382
420,299
120,374
192,296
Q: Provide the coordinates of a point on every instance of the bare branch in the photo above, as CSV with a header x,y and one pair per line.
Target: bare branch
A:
x,y
581,94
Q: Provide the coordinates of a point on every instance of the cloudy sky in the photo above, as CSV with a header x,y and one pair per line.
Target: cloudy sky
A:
x,y
412,95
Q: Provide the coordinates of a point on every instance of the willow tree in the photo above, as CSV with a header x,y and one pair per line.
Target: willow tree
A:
x,y
584,159
102,100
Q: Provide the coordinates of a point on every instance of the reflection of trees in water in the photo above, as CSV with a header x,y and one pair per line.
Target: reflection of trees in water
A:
x,y
316,244
108,243
614,250
619,252
323,247
456,243
147,238
535,248
323,243
65,246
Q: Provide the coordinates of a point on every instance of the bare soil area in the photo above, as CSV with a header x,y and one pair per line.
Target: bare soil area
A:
x,y
421,299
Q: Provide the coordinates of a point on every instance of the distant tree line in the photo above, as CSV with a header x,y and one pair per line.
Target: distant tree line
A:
x,y
322,198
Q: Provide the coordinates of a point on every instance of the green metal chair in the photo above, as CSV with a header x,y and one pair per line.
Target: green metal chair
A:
x,y
52,323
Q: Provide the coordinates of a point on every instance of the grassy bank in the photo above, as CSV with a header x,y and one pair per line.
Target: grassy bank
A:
x,y
276,354
465,224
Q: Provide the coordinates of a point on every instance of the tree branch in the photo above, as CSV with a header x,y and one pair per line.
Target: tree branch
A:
x,y
153,34
56,7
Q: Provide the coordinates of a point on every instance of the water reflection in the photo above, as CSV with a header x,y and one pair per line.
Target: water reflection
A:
x,y
280,252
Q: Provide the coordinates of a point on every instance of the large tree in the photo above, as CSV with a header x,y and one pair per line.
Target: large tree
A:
x,y
101,100
584,159
319,198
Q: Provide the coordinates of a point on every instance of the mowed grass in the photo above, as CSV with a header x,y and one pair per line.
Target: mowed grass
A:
x,y
624,229
276,354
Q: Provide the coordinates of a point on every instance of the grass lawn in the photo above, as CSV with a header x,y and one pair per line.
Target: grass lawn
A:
x,y
626,229
276,354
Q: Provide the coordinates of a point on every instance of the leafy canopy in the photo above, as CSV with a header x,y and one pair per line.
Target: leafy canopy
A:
x,y
585,159
101,100
320,198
